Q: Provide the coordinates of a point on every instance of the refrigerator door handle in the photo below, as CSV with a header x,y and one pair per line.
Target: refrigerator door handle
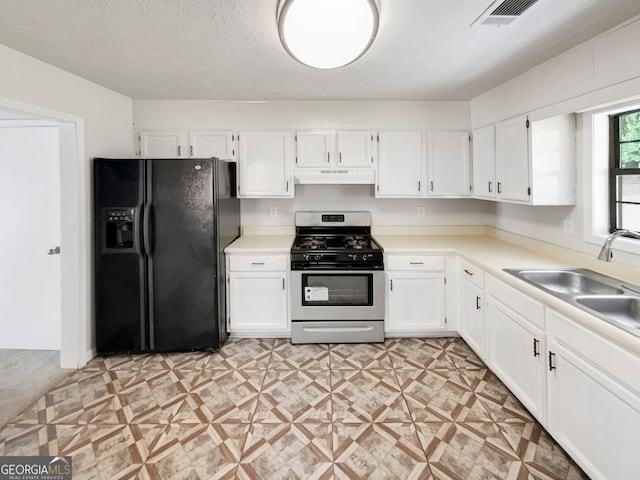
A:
x,y
137,238
146,230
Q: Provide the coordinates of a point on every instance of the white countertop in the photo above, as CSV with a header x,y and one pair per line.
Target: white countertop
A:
x,y
261,244
491,255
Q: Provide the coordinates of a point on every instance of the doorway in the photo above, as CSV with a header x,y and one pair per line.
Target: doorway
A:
x,y
30,304
74,291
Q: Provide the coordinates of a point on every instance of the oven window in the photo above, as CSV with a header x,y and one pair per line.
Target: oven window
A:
x,y
340,289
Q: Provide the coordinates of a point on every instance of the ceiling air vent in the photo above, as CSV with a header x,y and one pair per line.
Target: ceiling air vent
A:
x,y
504,13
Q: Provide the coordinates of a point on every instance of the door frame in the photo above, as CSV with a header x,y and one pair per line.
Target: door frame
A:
x,y
76,278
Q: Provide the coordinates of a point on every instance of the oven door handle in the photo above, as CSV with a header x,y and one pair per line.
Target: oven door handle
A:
x,y
366,328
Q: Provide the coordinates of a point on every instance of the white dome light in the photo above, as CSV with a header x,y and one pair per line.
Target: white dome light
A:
x,y
327,33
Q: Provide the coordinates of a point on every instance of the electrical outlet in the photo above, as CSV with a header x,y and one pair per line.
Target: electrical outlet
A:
x,y
273,211
567,227
421,211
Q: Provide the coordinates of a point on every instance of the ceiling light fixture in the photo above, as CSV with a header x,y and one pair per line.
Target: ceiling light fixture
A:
x,y
327,34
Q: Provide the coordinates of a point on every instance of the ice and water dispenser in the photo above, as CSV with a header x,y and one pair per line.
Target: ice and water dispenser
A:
x,y
119,229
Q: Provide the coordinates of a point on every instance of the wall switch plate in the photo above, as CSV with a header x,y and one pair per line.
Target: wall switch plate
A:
x,y
421,211
567,227
273,211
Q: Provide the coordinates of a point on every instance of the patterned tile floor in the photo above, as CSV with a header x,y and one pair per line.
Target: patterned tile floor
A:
x,y
266,409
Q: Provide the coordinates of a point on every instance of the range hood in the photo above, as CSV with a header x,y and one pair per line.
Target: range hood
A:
x,y
343,176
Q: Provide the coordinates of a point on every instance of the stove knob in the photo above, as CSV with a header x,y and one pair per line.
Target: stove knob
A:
x,y
364,257
306,256
317,257
353,256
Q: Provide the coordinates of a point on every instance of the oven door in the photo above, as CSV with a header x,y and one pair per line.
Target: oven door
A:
x,y
337,295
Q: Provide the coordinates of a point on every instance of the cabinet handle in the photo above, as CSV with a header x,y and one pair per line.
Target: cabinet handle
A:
x,y
340,157
468,272
283,284
416,263
536,352
257,264
419,185
391,285
431,185
499,187
287,189
328,157
490,186
552,363
179,150
191,150
477,303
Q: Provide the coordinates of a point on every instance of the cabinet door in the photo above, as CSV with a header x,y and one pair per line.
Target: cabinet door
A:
x,y
448,165
205,144
354,148
484,162
400,164
512,160
163,144
472,317
258,302
515,354
593,413
265,164
415,302
314,148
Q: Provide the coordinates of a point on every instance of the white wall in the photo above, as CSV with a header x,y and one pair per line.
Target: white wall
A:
x,y
375,115
594,74
597,72
102,120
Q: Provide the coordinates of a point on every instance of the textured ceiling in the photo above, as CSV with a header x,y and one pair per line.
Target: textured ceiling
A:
x,y
229,49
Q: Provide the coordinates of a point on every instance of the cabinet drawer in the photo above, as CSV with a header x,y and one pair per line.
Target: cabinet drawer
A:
x,y
415,262
517,301
253,263
471,273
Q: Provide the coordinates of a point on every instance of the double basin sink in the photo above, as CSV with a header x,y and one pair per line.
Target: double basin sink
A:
x,y
610,299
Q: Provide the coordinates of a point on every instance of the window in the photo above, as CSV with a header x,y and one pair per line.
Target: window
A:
x,y
624,171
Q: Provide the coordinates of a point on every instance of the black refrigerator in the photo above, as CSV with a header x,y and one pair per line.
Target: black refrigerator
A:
x,y
160,230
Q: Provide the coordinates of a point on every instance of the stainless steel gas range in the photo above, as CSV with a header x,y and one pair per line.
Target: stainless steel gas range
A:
x,y
337,279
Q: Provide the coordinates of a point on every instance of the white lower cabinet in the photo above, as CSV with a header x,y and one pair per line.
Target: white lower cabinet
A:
x,y
415,300
593,399
258,296
472,318
516,343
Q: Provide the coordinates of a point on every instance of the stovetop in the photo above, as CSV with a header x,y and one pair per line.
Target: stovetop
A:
x,y
337,242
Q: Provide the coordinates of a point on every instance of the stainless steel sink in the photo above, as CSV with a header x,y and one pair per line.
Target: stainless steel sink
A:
x,y
571,282
621,309
605,297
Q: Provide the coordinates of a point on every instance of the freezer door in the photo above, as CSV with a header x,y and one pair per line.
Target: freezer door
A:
x,y
179,241
119,275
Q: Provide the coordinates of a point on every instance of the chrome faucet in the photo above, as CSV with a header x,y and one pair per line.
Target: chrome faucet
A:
x,y
605,253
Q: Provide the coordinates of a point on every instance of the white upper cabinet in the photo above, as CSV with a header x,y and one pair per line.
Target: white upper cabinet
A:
x,y
315,148
401,164
355,148
328,148
265,164
484,162
187,144
512,159
219,144
448,164
535,160
164,144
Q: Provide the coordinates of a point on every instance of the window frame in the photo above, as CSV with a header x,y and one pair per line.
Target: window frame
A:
x,y
615,171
